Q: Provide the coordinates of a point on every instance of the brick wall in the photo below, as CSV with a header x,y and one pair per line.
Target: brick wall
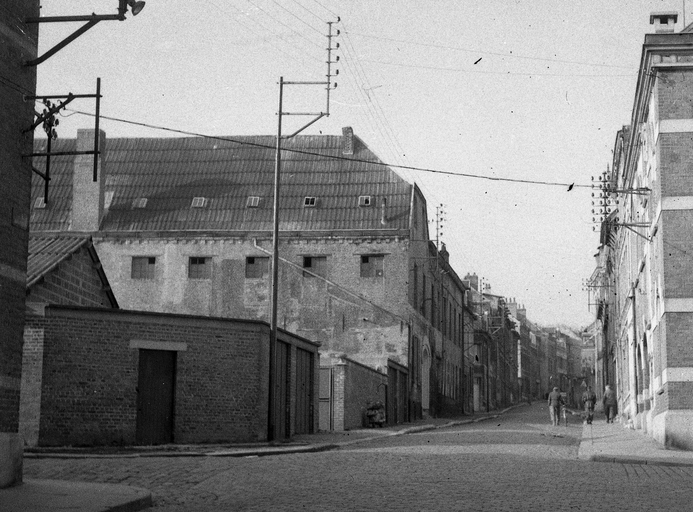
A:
x,y
675,89
18,43
74,282
355,386
90,376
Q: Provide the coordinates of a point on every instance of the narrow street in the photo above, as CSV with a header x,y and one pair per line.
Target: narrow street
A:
x,y
516,462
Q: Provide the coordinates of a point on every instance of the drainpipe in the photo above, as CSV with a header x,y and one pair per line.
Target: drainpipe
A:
x,y
634,353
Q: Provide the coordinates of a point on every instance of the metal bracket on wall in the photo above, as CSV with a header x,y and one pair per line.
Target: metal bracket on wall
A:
x,y
49,121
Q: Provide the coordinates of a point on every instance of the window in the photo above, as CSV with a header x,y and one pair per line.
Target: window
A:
x,y
364,200
316,264
40,202
140,202
310,202
199,202
199,268
256,267
253,202
372,265
143,267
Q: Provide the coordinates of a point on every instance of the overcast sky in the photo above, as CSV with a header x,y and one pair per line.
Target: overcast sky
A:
x,y
506,89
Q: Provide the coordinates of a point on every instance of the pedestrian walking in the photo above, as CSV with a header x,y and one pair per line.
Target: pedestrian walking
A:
x,y
589,399
555,401
610,404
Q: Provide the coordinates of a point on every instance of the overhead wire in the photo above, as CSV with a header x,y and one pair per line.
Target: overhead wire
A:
x,y
296,17
332,157
512,73
241,20
300,34
486,52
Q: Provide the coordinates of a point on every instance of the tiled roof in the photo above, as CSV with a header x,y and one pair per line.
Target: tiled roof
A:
x,y
47,252
170,172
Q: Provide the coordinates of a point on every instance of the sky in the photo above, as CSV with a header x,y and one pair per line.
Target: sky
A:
x,y
493,107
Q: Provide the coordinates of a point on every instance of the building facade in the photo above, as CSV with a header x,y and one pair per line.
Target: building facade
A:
x,y
18,44
647,241
185,226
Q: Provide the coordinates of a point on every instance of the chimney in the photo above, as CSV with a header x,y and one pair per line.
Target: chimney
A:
x,y
87,194
664,21
347,140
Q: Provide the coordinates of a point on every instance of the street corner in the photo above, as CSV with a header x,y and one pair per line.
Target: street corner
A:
x,y
52,495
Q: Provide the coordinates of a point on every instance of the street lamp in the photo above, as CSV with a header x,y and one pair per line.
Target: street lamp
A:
x,y
91,20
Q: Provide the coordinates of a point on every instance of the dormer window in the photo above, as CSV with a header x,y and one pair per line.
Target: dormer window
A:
x,y
40,202
310,202
199,202
365,201
140,202
253,202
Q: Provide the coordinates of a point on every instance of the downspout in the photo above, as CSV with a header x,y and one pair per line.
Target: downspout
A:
x,y
634,353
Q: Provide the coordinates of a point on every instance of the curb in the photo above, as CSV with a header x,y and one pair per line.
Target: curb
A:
x,y
635,460
264,452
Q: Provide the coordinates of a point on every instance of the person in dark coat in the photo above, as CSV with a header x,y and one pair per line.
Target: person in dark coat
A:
x,y
609,401
555,401
589,399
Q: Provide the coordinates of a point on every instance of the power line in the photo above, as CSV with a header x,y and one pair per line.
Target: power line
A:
x,y
335,157
485,52
284,24
482,72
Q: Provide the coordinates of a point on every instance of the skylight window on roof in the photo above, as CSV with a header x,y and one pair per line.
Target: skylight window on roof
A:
x,y
310,202
140,202
199,202
253,202
365,201
40,202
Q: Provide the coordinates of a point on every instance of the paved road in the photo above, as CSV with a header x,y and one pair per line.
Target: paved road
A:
x,y
515,463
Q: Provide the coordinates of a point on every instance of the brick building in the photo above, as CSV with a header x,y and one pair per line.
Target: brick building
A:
x,y
650,240
184,226
96,375
18,44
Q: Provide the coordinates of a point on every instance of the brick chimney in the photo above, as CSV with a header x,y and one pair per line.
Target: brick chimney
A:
x,y
347,140
87,194
664,21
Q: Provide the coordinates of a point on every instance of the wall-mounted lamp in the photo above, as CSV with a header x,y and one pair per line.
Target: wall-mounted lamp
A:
x,y
91,19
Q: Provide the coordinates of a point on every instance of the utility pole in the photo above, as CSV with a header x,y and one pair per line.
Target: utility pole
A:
x,y
271,413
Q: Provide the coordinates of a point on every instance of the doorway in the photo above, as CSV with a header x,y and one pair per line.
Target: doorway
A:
x,y
155,395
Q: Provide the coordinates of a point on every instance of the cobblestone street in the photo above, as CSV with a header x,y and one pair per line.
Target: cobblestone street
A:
x,y
514,462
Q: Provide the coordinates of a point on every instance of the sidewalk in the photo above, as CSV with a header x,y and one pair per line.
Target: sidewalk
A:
x,y
613,442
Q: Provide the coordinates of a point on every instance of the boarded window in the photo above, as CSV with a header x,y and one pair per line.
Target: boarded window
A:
x,y
143,267
256,267
200,268
372,265
316,264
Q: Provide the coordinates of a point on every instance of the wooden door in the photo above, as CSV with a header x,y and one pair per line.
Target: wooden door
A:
x,y
303,419
325,400
281,390
155,393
